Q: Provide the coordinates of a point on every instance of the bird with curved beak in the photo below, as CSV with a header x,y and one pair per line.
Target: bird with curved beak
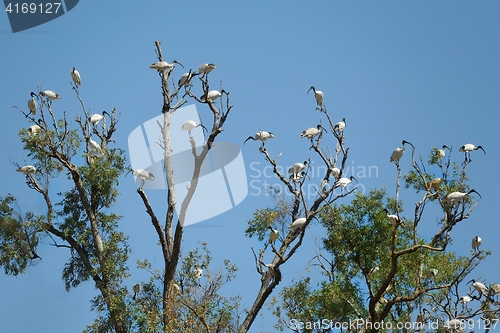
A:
x,y
457,196
260,136
398,152
339,127
163,65
442,152
143,175
467,148
190,125
344,181
312,132
318,95
394,219
96,118
480,287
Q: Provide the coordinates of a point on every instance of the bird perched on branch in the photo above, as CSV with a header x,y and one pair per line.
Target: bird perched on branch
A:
x,y
398,152
51,95
163,65
318,95
75,75
467,148
206,68
32,105
143,175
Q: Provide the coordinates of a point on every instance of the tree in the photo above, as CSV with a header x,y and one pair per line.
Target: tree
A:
x,y
83,221
381,273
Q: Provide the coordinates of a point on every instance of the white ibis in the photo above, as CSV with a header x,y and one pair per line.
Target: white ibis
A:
x,y
318,95
296,169
454,325
457,196
198,272
394,219
480,287
442,152
211,95
260,136
136,288
476,243
339,127
206,68
298,223
273,236
27,169
335,172
465,299
186,78
96,118
432,273
422,317
311,132
344,181
435,184
94,145
467,148
398,152
32,104
163,65
191,125
177,289
143,175
33,129
49,94
75,75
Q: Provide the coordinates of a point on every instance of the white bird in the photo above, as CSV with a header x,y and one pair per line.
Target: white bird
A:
x,y
75,75
454,326
398,152
480,287
296,169
260,136
206,68
50,95
32,103
190,125
198,272
339,127
33,129
335,172
136,288
441,152
318,95
467,148
177,289
96,118
162,65
143,175
273,236
311,132
298,223
465,299
432,273
344,181
457,196
27,169
94,145
476,242
211,95
422,317
186,78
394,219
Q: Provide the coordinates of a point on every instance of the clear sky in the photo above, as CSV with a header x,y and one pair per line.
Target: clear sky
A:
x,y
424,71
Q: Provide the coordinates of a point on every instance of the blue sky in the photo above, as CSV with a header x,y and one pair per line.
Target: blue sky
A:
x,y
424,71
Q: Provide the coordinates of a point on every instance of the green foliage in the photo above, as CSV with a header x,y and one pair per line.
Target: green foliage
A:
x,y
18,237
265,217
